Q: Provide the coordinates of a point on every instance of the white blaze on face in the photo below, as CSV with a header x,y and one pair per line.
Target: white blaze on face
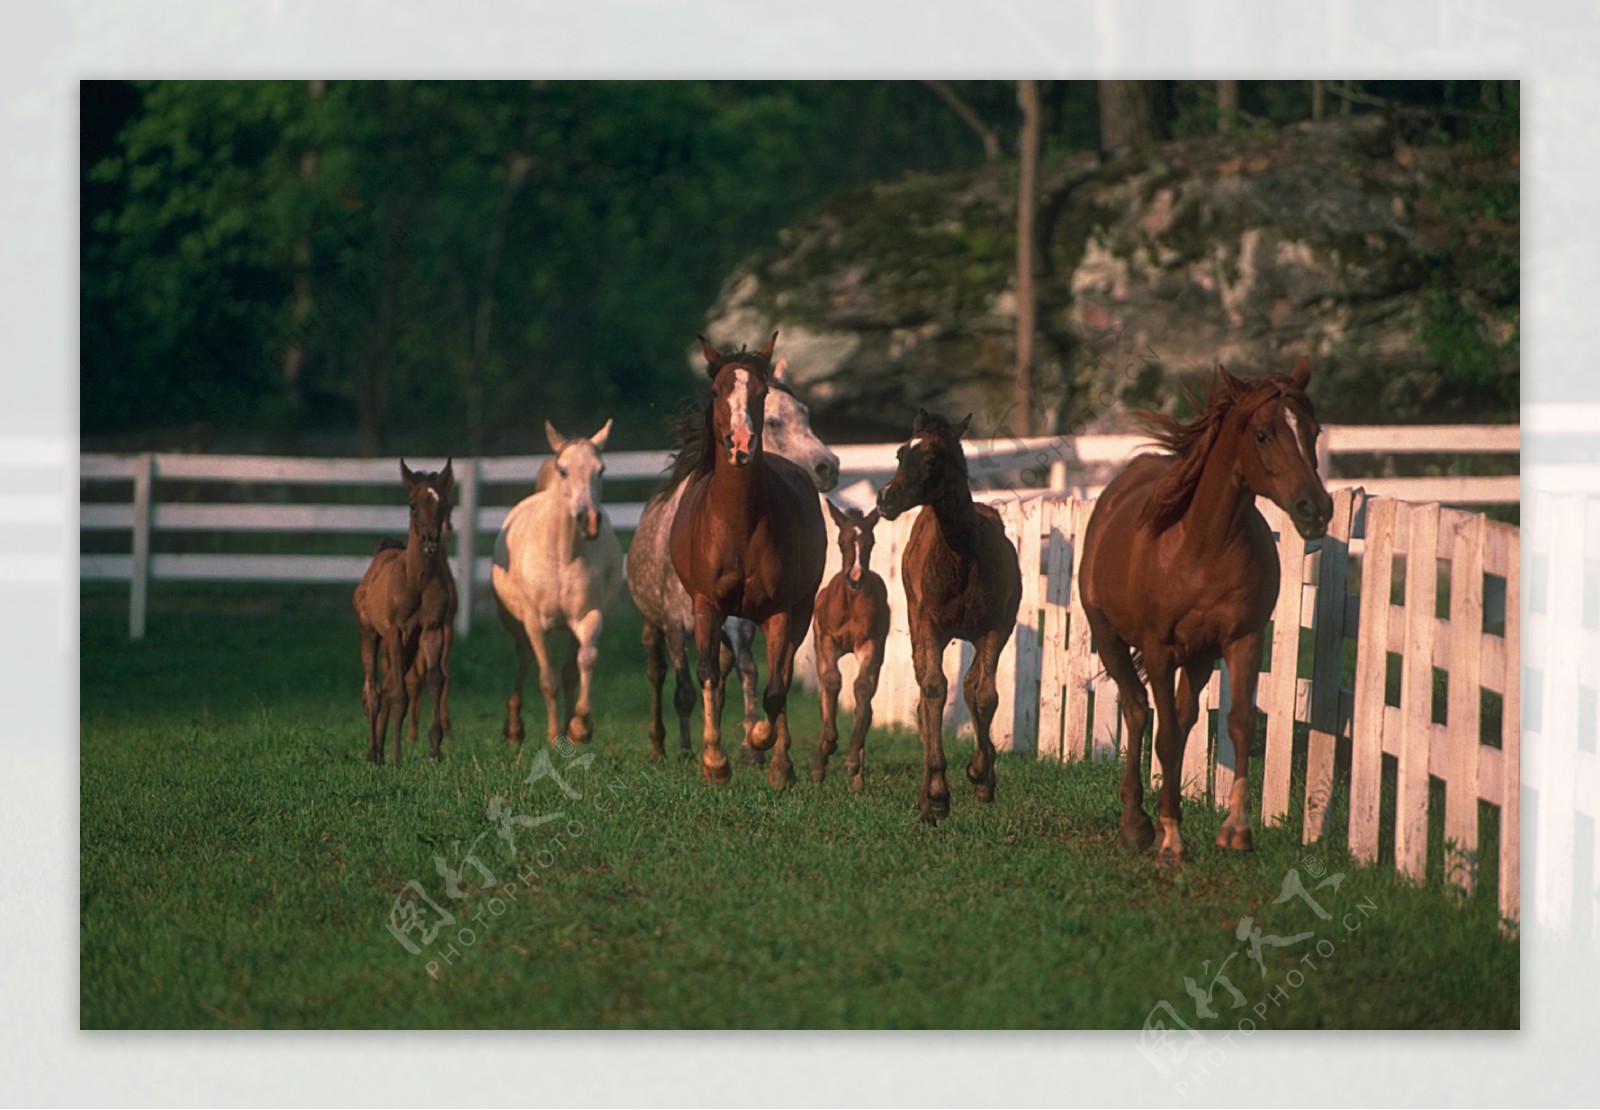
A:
x,y
916,441
433,494
1294,431
860,566
740,431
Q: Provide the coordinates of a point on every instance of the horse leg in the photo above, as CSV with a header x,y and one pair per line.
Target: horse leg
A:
x,y
370,694
740,636
1169,744
524,650
683,692
414,679
780,655
707,639
869,661
831,681
927,659
1244,663
580,728
396,662
1136,830
548,680
430,661
982,700
655,667
567,648
448,641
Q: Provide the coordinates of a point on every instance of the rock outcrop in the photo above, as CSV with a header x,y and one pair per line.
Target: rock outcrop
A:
x,y
1388,254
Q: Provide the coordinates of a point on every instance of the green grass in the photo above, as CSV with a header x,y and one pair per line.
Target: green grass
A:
x,y
240,859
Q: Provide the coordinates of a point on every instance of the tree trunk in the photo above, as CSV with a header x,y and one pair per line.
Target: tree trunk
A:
x,y
1227,105
294,353
1027,201
1319,99
1130,114
953,100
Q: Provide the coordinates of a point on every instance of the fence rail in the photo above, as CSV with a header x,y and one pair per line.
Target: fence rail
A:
x,y
1057,465
1327,690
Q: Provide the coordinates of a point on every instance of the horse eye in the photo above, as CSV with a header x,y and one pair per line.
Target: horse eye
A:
x,y
561,470
774,423
1262,435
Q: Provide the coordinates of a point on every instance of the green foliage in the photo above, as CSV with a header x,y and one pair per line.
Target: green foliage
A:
x,y
473,256
239,862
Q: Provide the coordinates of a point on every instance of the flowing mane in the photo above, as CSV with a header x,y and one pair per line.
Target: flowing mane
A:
x,y
691,428
1189,443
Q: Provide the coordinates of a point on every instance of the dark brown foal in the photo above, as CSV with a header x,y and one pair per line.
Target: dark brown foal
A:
x,y
962,582
404,605
851,618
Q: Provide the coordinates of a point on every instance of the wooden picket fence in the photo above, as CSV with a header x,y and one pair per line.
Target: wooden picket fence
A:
x,y
1056,701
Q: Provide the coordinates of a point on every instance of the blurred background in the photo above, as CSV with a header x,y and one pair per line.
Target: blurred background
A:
x,y
365,268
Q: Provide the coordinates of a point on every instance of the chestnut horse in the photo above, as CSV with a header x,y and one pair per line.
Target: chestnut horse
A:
x,y
405,603
557,568
660,596
747,541
1179,569
962,581
852,618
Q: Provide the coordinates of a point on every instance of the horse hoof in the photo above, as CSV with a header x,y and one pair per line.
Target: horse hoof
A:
x,y
749,755
1236,840
762,737
1170,857
985,791
717,774
1137,838
935,809
579,731
685,755
819,774
657,755
781,778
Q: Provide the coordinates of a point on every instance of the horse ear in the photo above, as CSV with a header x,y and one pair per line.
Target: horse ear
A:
x,y
1230,383
961,428
406,475
600,437
712,355
870,519
766,349
557,441
833,510
447,476
780,372
921,422
1301,374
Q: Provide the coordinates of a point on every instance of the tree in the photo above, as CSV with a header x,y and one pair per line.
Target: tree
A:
x,y
1131,114
1027,203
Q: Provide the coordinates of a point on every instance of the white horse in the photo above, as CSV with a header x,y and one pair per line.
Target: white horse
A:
x,y
664,603
557,568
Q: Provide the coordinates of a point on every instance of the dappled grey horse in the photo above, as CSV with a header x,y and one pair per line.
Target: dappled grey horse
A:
x,y
664,603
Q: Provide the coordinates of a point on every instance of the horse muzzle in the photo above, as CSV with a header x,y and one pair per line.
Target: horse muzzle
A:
x,y
853,579
589,523
889,504
430,543
826,474
1310,515
739,453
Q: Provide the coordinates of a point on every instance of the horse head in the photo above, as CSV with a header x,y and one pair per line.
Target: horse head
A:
x,y
738,398
429,494
787,432
931,464
578,469
1277,455
855,542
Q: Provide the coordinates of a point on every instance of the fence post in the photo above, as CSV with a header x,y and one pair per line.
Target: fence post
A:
x,y
139,584
467,546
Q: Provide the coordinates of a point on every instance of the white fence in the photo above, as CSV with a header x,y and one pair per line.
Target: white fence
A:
x,y
1329,678
1562,716
244,489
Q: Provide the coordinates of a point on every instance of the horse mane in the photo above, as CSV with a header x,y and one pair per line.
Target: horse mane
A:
x,y
691,429
1189,443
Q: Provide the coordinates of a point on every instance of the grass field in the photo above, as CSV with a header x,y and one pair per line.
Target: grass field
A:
x,y
240,860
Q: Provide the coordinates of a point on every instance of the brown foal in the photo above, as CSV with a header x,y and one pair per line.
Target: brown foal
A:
x,y
852,618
